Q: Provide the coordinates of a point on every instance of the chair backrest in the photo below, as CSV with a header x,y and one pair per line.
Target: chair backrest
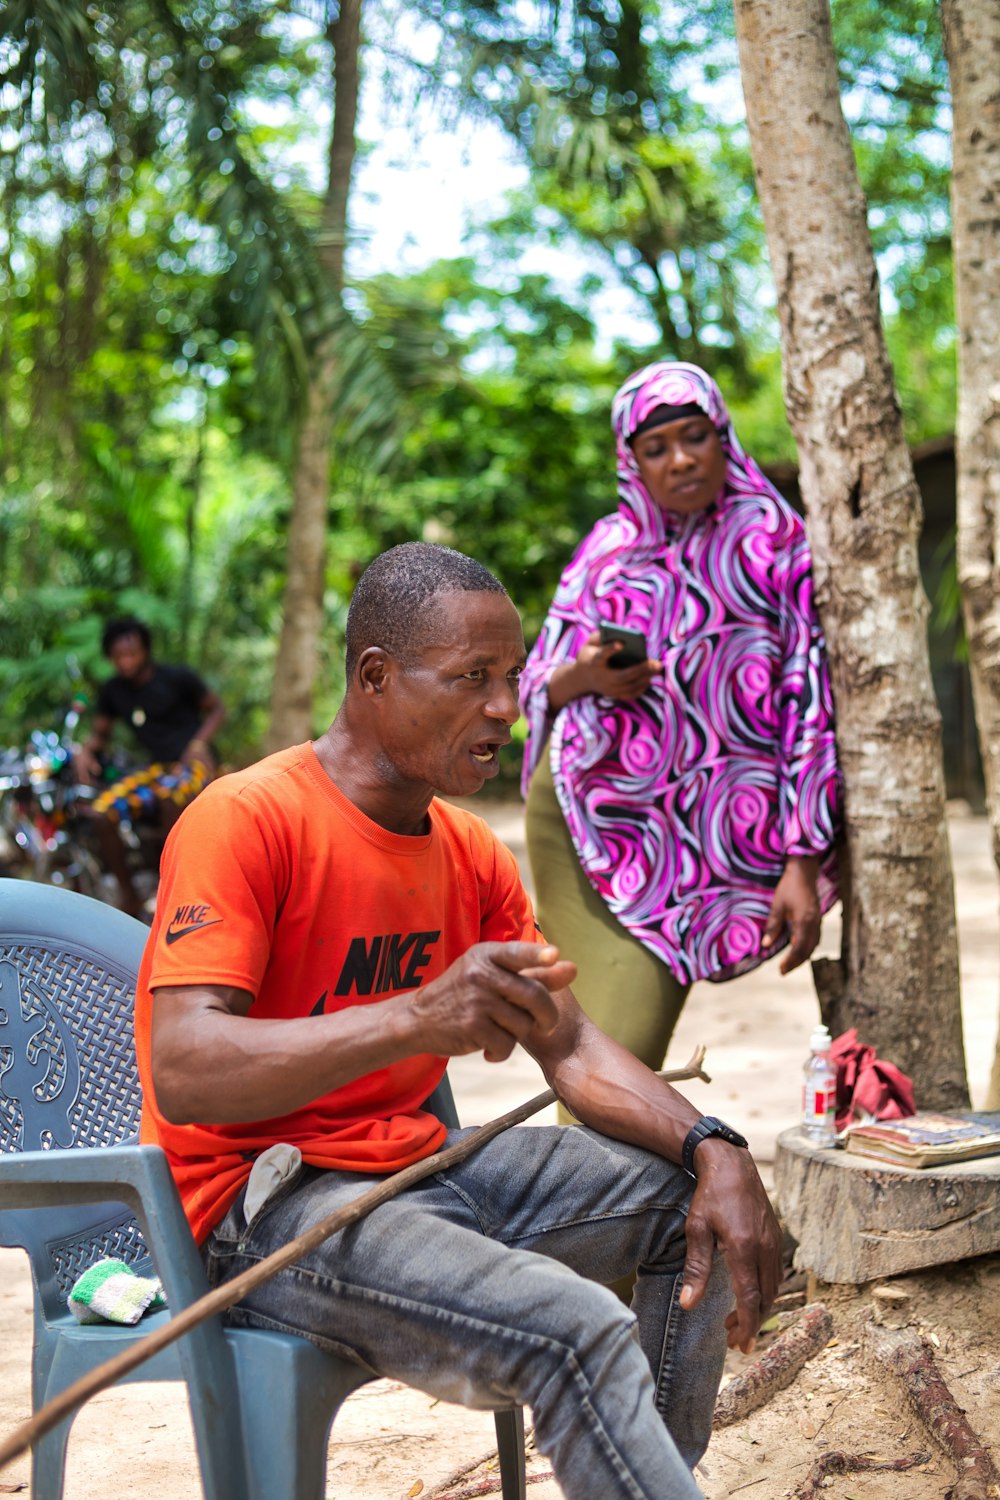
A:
x,y
442,1104
67,1062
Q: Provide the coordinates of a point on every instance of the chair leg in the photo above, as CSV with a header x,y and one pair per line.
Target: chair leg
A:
x,y
289,1394
48,1463
207,1367
510,1448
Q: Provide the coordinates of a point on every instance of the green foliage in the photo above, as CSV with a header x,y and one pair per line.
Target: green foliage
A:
x,y
627,157
163,298
123,552
163,301
895,82
511,455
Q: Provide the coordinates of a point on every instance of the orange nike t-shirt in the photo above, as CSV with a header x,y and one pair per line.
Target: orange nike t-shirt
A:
x,y
274,882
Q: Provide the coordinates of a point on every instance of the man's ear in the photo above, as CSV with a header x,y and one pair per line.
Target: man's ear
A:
x,y
373,669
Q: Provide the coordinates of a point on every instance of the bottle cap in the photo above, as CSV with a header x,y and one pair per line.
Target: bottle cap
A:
x,y
820,1040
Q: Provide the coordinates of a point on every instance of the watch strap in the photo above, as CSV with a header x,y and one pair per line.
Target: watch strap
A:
x,y
702,1130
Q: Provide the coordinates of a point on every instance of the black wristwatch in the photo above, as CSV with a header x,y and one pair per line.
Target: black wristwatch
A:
x,y
706,1126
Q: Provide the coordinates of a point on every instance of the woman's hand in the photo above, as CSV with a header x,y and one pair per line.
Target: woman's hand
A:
x,y
796,906
592,672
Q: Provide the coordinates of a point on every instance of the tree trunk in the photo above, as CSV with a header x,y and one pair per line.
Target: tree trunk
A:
x,y
972,42
863,514
297,660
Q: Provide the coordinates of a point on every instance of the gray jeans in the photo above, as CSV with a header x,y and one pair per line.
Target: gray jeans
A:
x,y
481,1286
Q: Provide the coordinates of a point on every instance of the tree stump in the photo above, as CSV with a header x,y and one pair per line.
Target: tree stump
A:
x,y
855,1219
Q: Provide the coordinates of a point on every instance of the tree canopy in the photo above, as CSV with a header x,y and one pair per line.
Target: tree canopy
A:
x,y
159,261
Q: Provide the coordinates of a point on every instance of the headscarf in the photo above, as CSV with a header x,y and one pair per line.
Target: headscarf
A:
x,y
684,805
674,384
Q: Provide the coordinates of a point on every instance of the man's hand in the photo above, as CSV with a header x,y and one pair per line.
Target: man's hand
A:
x,y
86,763
796,906
86,766
197,750
613,1092
730,1210
494,996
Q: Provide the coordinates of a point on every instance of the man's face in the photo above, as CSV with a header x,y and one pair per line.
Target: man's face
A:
x,y
447,714
128,656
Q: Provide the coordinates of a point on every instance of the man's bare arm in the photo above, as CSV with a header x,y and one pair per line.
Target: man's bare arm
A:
x,y
85,758
213,714
214,1062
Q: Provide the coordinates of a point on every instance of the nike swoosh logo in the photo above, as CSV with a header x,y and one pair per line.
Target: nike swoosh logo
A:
x,y
183,931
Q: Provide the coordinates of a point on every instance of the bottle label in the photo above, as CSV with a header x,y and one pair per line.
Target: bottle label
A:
x,y
819,1103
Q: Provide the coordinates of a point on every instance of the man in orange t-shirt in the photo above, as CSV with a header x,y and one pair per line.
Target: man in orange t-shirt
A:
x,y
328,934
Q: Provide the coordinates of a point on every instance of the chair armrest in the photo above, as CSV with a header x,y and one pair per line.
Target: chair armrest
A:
x,y
42,1185
41,1179
137,1176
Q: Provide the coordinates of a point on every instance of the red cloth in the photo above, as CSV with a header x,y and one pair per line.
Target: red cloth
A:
x,y
867,1087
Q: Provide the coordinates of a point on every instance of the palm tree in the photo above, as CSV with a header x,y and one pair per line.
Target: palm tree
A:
x,y
302,619
622,154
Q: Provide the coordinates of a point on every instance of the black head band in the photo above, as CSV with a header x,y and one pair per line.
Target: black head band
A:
x,y
661,414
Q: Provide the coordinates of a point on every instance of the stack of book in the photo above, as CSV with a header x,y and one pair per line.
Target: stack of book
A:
x,y
927,1140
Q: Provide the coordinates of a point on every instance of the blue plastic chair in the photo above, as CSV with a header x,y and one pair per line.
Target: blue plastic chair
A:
x,y
75,1186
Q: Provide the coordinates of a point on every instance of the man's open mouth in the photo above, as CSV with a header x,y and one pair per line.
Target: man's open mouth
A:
x,y
486,750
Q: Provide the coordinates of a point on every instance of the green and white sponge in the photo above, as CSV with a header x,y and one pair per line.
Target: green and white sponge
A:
x,y
111,1292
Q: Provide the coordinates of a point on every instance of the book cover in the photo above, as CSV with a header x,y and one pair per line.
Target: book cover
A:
x,y
927,1139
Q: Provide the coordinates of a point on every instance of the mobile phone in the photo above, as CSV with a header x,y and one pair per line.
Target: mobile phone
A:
x,y
633,642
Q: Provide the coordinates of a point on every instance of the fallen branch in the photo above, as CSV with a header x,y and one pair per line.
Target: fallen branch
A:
x,y
776,1368
488,1486
223,1297
458,1475
851,1463
910,1357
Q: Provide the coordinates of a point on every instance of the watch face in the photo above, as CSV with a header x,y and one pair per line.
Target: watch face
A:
x,y
706,1127
726,1132
712,1126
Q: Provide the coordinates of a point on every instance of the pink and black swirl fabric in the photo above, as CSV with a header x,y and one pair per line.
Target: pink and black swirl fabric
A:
x,y
684,805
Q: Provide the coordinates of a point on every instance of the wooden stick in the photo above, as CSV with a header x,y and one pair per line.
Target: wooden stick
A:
x,y
232,1291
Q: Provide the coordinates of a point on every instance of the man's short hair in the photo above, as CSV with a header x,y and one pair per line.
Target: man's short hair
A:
x,y
116,630
394,591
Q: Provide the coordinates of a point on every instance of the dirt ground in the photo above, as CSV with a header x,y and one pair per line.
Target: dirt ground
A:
x,y
390,1442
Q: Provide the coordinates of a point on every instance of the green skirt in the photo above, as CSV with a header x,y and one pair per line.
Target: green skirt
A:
x,y
627,991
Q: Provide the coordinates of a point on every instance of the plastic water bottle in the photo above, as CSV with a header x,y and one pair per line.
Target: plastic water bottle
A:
x,y
819,1092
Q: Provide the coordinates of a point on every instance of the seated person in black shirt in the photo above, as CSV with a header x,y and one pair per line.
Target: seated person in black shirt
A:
x,y
173,715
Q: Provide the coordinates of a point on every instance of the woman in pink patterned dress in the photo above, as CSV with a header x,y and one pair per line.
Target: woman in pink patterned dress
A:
x,y
681,813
